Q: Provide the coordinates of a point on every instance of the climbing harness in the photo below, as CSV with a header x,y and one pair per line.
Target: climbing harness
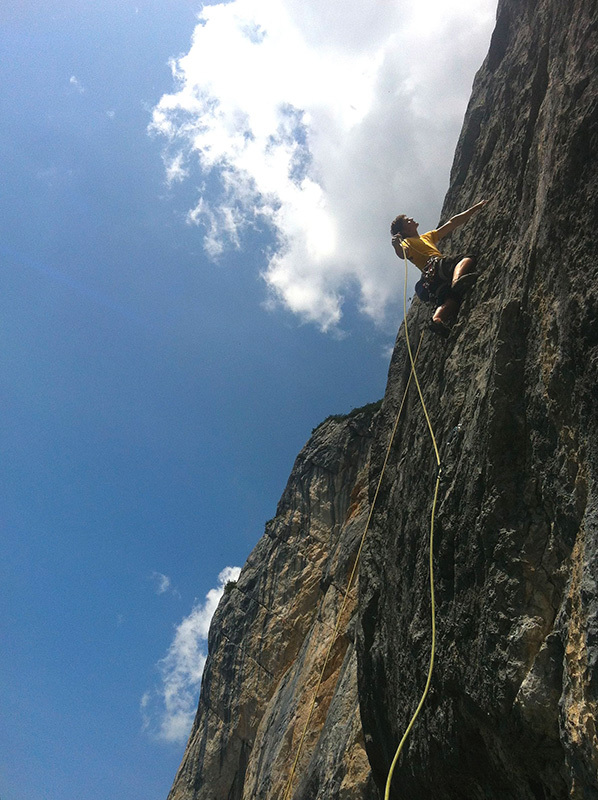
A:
x,y
413,374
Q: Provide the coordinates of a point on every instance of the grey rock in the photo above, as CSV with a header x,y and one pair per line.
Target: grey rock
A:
x,y
512,707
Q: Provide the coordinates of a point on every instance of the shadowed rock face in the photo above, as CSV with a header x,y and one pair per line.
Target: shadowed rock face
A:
x,y
513,401
269,638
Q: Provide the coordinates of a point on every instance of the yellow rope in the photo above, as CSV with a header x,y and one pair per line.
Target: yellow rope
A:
x,y
432,599
287,792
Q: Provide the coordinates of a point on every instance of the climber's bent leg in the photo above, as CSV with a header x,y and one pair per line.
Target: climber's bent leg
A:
x,y
447,311
465,266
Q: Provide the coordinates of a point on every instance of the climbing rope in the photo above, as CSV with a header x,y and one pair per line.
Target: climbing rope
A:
x,y
412,374
431,557
287,792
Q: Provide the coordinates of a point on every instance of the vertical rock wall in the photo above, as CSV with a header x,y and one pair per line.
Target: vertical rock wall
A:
x,y
513,400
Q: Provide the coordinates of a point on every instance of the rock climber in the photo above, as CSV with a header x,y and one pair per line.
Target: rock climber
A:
x,y
445,279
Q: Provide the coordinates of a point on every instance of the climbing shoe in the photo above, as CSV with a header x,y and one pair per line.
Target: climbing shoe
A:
x,y
463,284
439,328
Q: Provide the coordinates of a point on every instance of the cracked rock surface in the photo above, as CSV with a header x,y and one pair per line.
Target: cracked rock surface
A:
x,y
512,396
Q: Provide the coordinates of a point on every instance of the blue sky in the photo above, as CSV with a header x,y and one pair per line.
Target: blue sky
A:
x,y
194,272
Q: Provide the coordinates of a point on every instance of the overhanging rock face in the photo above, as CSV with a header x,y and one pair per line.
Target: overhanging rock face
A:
x,y
513,401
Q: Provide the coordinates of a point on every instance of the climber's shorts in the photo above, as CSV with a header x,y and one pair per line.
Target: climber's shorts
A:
x,y
434,286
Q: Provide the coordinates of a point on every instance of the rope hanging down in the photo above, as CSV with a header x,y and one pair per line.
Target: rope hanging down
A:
x,y
288,787
412,374
431,557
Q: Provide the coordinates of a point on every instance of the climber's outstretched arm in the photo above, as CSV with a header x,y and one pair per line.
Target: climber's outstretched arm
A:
x,y
459,219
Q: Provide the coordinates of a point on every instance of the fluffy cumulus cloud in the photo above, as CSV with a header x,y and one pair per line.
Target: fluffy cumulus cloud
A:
x,y
321,122
168,710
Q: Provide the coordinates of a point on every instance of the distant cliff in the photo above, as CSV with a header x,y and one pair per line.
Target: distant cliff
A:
x,y
513,399
269,638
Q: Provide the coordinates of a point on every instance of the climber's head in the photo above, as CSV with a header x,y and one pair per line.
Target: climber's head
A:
x,y
404,226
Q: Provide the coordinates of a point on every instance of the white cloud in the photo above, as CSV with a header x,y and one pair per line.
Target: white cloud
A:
x,y
168,711
163,584
76,84
322,121
175,169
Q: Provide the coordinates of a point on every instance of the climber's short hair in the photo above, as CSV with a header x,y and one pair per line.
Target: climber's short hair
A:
x,y
396,226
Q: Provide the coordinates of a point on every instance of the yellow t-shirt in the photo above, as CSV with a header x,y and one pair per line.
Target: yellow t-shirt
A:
x,y
421,248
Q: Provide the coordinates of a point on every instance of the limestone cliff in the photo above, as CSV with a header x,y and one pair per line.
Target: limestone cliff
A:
x,y
512,710
512,394
269,638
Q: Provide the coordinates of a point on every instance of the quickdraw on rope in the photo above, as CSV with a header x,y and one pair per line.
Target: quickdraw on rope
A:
x,y
431,547
289,783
